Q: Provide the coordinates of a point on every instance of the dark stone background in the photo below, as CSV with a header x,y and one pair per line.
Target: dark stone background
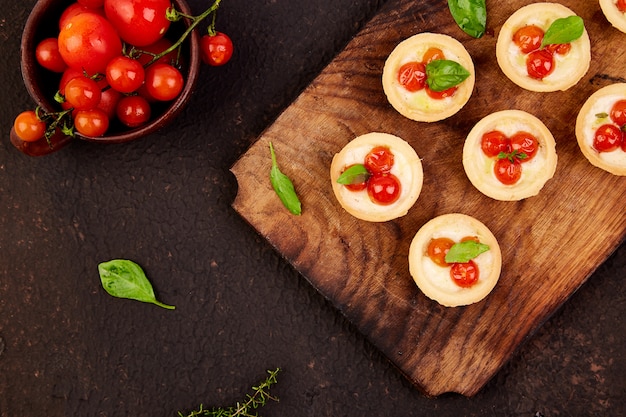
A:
x,y
69,349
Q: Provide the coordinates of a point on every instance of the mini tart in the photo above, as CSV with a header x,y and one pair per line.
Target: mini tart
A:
x,y
587,122
434,280
569,69
407,168
417,105
535,173
613,15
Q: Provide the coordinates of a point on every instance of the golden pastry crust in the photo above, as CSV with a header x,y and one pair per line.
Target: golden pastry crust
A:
x,y
417,105
435,281
407,168
613,15
535,173
569,68
587,122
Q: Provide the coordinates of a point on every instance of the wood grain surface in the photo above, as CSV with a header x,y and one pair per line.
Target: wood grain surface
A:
x,y
550,243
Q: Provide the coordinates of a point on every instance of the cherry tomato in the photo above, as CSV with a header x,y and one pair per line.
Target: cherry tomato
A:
x,y
464,274
48,56
133,111
379,160
216,49
618,112
92,122
526,143
508,172
74,9
383,189
432,54
138,22
528,38
108,102
438,248
82,93
440,95
494,142
92,4
539,64
125,74
621,5
156,48
412,76
28,127
357,186
559,48
88,42
607,138
163,82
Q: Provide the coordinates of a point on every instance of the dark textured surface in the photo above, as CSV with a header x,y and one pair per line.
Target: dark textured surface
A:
x,y
67,348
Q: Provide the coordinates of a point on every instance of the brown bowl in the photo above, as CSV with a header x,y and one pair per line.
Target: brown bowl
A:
x,y
42,84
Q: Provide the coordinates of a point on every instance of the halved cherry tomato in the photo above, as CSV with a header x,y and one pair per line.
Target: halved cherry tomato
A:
x,y
525,142
412,76
438,248
217,49
92,122
163,82
125,74
528,38
138,22
383,189
379,160
48,56
133,111
464,274
618,112
494,142
508,170
607,138
539,64
28,127
82,93
559,48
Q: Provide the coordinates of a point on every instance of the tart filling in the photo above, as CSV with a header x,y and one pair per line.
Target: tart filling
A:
x,y
435,280
418,105
535,172
613,14
406,168
569,67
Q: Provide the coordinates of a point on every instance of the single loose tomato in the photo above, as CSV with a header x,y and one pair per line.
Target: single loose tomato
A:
x,y
494,142
539,64
412,76
82,93
163,82
216,49
607,138
618,112
93,122
29,127
440,95
528,38
125,74
525,142
48,56
383,189
508,170
379,160
438,248
464,274
432,54
138,22
88,42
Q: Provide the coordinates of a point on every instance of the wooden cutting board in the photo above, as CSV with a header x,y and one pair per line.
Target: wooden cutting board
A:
x,y
550,243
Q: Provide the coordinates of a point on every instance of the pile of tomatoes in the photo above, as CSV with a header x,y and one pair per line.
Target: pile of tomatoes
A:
x,y
115,63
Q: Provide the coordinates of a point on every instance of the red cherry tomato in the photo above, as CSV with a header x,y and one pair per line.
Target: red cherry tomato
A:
x,y
621,5
133,111
156,48
526,143
92,122
163,82
464,274
92,4
74,9
539,64
88,42
559,48
607,138
125,74
440,95
528,38
383,189
108,102
48,56
618,112
217,49
432,54
438,248
508,172
138,22
494,142
412,76
28,127
82,93
357,186
379,160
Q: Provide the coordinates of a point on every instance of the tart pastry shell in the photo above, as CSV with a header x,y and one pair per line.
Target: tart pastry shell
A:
x,y
613,15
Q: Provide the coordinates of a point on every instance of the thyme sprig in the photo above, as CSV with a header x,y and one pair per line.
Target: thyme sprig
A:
x,y
259,398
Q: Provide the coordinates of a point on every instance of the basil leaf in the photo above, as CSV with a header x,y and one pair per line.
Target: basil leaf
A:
x,y
125,279
356,174
470,15
465,251
563,30
284,187
442,74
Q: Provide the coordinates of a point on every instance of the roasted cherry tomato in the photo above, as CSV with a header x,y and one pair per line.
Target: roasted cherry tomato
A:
x,y
379,160
383,189
525,142
539,64
528,38
133,111
92,122
618,112
216,49
125,74
163,82
28,127
508,170
412,76
82,93
48,56
438,248
464,274
607,138
494,142
138,22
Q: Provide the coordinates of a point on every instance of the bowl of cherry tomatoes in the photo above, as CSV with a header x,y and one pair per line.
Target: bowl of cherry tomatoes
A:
x,y
99,71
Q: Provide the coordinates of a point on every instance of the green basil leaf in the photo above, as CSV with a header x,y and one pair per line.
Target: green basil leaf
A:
x,y
356,174
442,74
470,15
284,187
563,30
465,251
125,279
